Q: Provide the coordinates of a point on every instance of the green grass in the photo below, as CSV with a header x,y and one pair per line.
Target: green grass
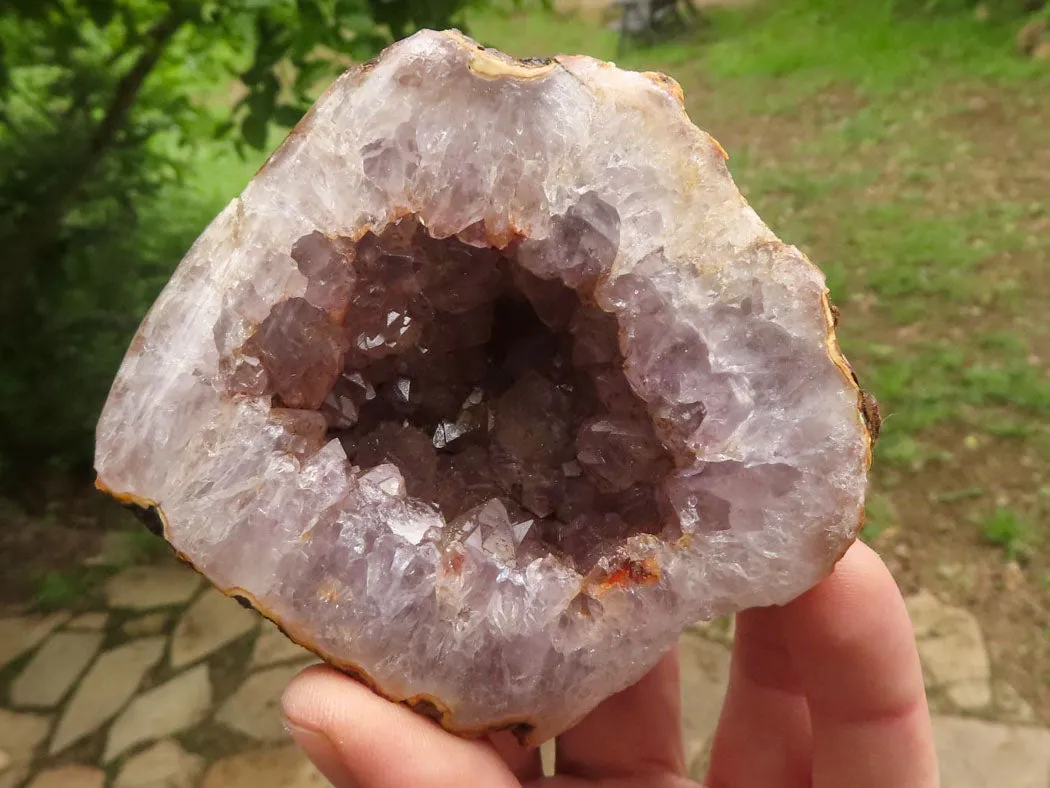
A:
x,y
536,32
879,515
924,384
873,43
73,589
964,494
1007,529
58,590
80,586
801,46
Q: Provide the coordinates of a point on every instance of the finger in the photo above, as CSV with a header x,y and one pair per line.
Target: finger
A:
x,y
852,644
633,733
763,736
359,740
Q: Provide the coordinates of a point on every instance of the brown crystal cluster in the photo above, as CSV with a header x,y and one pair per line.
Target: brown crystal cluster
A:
x,y
496,395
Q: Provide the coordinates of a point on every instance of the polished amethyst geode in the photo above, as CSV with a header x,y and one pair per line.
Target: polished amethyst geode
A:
x,y
488,384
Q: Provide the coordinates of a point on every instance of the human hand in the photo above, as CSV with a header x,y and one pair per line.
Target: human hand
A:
x,y
825,692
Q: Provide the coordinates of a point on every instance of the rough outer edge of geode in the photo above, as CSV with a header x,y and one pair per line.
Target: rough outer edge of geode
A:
x,y
491,64
152,516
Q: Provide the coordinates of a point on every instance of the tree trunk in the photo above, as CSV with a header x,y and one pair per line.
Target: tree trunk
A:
x,y
24,256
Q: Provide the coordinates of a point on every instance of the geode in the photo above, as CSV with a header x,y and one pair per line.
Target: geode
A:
x,y
488,384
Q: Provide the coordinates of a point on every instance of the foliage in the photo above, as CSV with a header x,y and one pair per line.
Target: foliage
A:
x,y
105,105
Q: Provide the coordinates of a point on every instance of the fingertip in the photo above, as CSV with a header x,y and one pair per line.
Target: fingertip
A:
x,y
299,702
859,574
307,719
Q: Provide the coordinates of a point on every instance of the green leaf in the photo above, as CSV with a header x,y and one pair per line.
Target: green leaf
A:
x,y
311,13
223,128
29,9
365,46
357,21
101,12
254,129
287,115
310,72
5,73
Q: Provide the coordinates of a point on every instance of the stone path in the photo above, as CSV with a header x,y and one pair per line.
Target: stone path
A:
x,y
176,686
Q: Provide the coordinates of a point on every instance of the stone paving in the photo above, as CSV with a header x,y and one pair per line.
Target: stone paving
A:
x,y
176,686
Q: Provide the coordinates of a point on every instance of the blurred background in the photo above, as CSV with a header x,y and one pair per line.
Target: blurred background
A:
x,y
904,145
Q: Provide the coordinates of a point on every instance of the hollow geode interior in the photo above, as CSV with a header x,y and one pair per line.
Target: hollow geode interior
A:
x,y
489,383
485,393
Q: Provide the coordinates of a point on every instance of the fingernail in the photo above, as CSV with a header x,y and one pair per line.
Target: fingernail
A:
x,y
324,754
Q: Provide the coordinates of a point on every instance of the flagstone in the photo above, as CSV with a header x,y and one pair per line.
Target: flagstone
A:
x,y
163,765
106,687
1011,706
273,647
20,735
21,633
952,651
14,775
70,776
92,622
284,767
48,676
255,708
978,754
148,587
149,624
211,622
169,708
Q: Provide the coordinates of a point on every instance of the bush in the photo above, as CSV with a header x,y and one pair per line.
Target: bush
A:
x,y
64,334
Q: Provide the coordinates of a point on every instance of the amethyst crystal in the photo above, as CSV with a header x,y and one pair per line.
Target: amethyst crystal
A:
x,y
491,369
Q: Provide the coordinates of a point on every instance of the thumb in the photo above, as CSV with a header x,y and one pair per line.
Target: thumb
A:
x,y
359,740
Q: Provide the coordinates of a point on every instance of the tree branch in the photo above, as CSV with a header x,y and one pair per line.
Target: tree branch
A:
x,y
130,84
26,253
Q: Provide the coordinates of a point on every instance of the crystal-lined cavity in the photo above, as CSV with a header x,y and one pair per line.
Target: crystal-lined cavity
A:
x,y
474,382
